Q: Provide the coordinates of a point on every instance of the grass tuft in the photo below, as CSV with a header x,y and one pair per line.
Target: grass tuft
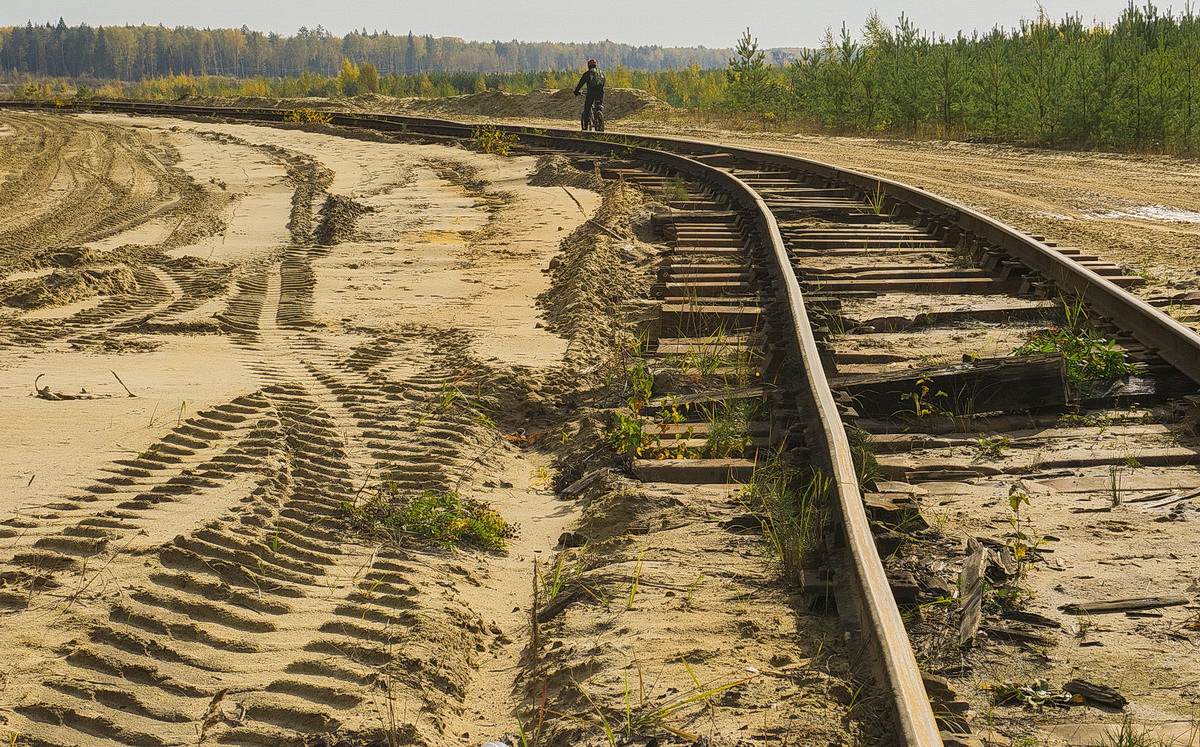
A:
x,y
448,519
795,514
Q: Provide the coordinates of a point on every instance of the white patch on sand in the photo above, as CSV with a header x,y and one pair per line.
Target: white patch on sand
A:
x,y
1159,213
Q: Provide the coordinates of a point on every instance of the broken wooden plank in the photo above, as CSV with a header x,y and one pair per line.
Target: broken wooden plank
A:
x,y
1171,500
694,471
1101,694
970,589
1017,635
1120,605
992,385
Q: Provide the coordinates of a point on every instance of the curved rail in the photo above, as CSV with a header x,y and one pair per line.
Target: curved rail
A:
x,y
1161,335
880,619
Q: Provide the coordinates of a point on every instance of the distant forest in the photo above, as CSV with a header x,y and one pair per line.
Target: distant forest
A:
x,y
137,52
1131,85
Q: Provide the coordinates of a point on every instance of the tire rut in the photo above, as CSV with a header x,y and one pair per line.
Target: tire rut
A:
x,y
212,561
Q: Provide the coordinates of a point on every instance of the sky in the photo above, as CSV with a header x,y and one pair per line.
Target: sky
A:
x,y
668,23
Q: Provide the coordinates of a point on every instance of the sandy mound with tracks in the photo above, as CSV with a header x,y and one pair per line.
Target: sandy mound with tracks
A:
x,y
619,103
546,104
369,312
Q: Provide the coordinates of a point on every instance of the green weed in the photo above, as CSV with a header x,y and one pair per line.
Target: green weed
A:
x,y
561,575
993,446
1087,355
925,402
675,190
862,451
636,582
877,199
729,429
1130,735
449,394
445,518
1116,479
1022,541
490,139
794,511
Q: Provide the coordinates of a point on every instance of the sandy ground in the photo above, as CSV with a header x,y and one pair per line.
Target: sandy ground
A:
x,y
236,330
300,316
333,358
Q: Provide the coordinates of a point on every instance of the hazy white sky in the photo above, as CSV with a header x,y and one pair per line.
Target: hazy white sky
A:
x,y
711,23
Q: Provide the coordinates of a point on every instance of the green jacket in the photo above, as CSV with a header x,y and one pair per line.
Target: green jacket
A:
x,y
594,80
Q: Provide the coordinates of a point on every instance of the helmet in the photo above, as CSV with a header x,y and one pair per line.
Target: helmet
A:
x,y
591,63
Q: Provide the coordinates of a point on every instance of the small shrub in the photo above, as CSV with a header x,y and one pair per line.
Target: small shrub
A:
x,y
491,139
308,116
445,518
1087,355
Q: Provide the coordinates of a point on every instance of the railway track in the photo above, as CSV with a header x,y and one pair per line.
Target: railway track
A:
x,y
827,301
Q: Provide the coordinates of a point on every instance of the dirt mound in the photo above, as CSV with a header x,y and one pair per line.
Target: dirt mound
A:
x,y
71,256
595,282
62,287
561,104
619,103
338,215
557,171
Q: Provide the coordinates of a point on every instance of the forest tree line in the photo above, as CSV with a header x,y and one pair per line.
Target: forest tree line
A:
x,y
1134,84
136,52
1130,85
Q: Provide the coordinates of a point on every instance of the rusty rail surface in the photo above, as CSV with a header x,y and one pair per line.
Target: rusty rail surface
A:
x,y
880,621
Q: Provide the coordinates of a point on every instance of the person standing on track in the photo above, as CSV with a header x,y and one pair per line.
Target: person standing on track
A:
x,y
593,104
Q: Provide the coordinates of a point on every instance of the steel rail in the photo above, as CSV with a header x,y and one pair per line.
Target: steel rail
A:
x,y
881,623
1159,333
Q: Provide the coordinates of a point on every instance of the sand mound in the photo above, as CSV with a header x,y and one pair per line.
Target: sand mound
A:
x,y
71,256
338,216
553,170
561,104
62,287
597,279
544,104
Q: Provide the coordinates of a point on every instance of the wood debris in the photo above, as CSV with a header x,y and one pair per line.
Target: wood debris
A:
x,y
1120,605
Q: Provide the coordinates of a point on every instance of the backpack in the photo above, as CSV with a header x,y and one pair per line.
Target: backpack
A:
x,y
597,78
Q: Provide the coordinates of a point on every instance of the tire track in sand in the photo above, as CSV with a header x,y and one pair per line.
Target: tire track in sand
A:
x,y
165,596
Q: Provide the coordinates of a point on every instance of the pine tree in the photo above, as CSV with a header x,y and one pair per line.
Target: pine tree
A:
x,y
750,87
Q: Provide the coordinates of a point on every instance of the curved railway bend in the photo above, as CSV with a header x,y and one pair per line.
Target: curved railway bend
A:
x,y
991,520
